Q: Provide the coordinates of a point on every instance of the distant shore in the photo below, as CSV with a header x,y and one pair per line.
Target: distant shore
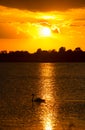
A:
x,y
44,56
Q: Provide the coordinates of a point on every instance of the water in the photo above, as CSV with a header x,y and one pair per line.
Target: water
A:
x,y
62,85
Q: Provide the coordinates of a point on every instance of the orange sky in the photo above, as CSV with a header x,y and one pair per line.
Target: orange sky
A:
x,y
26,30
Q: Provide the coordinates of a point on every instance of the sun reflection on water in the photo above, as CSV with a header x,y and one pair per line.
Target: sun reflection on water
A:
x,y
47,122
48,126
47,92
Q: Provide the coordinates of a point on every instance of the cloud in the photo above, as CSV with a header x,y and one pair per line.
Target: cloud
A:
x,y
9,31
15,23
23,24
19,24
43,5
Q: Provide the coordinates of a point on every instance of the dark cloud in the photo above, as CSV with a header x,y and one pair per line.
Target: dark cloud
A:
x,y
45,24
43,5
55,31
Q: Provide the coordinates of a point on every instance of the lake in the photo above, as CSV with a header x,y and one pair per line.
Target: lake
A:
x,y
62,85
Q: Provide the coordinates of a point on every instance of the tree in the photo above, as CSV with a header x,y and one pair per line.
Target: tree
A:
x,y
39,51
62,50
4,52
78,49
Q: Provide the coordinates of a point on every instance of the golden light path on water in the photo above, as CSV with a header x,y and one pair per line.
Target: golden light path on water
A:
x,y
47,92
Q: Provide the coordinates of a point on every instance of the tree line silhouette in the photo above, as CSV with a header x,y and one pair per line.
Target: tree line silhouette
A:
x,y
44,56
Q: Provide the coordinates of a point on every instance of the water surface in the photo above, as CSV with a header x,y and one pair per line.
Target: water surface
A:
x,y
62,85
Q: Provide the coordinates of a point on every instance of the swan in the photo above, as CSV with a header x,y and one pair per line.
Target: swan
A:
x,y
38,100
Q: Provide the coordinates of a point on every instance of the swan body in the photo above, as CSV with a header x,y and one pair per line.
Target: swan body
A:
x,y
38,100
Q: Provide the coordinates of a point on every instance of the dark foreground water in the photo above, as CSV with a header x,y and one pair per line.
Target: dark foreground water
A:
x,y
62,85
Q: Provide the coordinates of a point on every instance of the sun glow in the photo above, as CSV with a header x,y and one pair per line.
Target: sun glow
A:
x,y
45,32
49,17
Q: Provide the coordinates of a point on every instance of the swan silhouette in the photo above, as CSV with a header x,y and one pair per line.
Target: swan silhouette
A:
x,y
38,100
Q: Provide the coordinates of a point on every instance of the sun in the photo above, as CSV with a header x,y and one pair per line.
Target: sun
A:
x,y
45,32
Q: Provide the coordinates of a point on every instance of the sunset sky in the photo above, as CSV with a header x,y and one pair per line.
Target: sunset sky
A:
x,y
46,24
